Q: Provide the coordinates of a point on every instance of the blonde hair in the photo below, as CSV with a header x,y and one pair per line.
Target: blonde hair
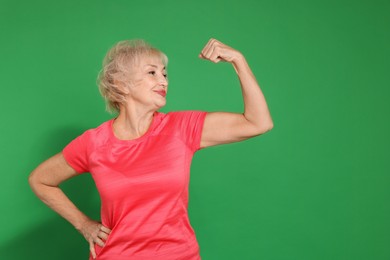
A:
x,y
118,64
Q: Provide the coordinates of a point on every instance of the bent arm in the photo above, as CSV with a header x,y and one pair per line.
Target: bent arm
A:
x,y
225,127
45,180
256,110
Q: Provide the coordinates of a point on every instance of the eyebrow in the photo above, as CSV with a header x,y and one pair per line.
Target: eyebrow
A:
x,y
154,66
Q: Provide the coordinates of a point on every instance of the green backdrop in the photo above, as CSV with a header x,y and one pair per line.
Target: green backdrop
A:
x,y
315,187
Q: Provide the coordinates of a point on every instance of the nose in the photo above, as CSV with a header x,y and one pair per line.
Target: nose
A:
x,y
163,81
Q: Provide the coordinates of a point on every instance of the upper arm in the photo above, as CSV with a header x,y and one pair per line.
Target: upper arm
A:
x,y
225,127
52,172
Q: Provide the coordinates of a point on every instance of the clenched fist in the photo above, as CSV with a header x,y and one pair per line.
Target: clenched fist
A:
x,y
216,51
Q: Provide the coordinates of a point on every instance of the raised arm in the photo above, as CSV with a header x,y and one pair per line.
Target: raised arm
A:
x,y
225,127
45,180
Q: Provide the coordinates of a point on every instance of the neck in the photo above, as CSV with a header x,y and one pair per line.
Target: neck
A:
x,y
132,122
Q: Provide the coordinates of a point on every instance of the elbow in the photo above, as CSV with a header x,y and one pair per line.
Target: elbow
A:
x,y
32,180
270,126
36,185
264,128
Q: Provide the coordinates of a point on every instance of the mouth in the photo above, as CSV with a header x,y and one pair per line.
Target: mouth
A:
x,y
161,92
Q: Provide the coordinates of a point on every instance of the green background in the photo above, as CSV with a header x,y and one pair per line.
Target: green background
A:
x,y
315,187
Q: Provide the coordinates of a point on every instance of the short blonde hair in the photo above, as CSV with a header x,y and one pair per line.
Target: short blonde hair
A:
x,y
117,67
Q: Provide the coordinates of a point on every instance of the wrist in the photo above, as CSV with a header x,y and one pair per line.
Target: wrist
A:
x,y
81,223
239,62
238,58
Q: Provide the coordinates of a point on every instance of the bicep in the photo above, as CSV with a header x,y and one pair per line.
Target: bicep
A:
x,y
225,127
52,172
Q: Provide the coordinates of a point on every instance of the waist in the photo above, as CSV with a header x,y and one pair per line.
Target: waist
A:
x,y
152,249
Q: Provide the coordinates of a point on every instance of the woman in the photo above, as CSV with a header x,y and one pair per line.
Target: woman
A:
x,y
140,160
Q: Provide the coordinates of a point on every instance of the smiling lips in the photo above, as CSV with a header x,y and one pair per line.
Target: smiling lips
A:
x,y
162,92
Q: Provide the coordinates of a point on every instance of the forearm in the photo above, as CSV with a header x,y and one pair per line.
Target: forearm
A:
x,y
255,106
56,199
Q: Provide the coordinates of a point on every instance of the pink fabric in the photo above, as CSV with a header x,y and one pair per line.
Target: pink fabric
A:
x,y
143,185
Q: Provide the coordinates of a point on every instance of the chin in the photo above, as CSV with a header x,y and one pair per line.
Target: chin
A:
x,y
160,104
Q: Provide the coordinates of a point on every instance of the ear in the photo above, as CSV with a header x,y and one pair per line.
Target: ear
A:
x,y
122,86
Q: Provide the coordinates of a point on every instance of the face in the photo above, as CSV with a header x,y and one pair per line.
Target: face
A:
x,y
149,83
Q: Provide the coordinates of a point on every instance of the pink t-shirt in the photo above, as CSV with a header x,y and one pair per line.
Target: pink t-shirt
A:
x,y
143,185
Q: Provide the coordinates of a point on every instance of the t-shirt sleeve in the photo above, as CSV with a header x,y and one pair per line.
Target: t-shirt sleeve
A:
x,y
76,153
191,127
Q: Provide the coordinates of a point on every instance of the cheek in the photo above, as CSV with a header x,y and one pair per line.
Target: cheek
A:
x,y
136,83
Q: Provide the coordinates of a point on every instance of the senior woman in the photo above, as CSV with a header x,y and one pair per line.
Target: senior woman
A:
x,y
140,160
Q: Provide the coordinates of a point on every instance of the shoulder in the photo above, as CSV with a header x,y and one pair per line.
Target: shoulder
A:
x,y
186,114
185,119
96,134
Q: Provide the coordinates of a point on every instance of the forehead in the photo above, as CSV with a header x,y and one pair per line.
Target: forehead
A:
x,y
154,60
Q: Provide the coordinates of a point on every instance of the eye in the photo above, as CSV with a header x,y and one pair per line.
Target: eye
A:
x,y
165,75
152,72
